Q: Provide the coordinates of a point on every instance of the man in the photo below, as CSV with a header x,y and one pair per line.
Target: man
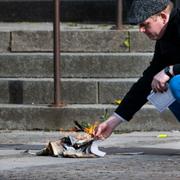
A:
x,y
160,21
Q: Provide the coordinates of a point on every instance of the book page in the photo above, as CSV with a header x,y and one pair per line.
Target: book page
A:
x,y
161,100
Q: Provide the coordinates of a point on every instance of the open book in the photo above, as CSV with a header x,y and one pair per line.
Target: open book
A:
x,y
161,100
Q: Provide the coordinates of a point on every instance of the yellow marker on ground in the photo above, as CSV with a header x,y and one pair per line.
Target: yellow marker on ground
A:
x,y
162,136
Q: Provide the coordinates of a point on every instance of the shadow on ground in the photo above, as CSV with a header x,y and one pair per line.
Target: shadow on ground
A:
x,y
108,150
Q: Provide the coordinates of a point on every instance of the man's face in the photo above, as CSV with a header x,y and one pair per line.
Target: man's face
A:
x,y
154,27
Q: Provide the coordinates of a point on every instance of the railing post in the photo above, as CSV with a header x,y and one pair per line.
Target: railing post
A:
x,y
119,14
57,64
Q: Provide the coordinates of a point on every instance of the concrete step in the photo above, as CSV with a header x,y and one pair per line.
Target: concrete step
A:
x,y
74,65
38,37
96,40
31,117
73,90
71,10
27,78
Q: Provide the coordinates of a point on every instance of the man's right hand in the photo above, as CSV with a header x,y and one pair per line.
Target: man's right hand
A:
x,y
105,129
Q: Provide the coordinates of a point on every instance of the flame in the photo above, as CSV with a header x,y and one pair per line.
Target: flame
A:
x,y
91,128
73,129
85,127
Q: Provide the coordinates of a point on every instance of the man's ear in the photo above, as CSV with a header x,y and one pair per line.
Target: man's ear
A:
x,y
164,17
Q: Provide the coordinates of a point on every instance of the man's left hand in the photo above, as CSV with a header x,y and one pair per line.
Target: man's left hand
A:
x,y
159,82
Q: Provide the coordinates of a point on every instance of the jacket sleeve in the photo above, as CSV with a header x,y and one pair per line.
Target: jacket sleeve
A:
x,y
137,95
176,69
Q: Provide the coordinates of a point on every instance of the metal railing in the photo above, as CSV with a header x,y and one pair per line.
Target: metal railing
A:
x,y
57,55
119,23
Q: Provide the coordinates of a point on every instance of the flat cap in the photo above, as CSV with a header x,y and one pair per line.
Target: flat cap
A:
x,y
143,9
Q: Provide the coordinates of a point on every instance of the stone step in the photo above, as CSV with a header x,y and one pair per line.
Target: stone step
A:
x,y
38,37
73,90
71,10
74,65
96,40
31,117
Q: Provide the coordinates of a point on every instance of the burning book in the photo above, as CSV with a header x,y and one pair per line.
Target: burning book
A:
x,y
70,146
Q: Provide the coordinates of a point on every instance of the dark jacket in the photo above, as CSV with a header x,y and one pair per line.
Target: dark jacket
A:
x,y
167,52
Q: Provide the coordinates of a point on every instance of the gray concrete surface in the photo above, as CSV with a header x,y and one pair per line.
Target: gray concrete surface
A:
x,y
45,117
85,40
74,65
160,160
38,37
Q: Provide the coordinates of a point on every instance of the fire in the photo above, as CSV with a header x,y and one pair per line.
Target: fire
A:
x,y
88,128
91,128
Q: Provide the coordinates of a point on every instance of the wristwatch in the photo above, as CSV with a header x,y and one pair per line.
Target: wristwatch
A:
x,y
166,70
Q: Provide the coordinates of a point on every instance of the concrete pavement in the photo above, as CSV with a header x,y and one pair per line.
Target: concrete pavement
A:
x,y
159,157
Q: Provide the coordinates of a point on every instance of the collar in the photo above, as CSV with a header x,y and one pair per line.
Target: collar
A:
x,y
170,23
173,13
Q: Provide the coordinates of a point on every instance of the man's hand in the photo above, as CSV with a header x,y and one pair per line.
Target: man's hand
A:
x,y
105,129
159,82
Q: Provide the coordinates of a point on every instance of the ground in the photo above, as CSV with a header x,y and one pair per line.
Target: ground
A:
x,y
158,158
